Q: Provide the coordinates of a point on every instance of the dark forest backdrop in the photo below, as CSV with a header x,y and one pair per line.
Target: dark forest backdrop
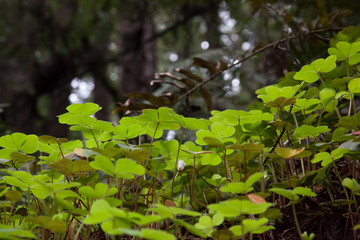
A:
x,y
54,51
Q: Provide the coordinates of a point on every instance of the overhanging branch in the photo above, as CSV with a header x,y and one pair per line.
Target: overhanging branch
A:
x,y
237,61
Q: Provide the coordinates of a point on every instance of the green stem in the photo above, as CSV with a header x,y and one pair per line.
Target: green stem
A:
x,y
151,144
28,207
287,162
192,185
356,204
78,231
176,163
296,219
212,187
146,163
322,80
199,189
92,133
346,194
226,166
245,167
320,117
350,103
261,169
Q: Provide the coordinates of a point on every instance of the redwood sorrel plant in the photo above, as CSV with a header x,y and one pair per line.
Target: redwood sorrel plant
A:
x,y
287,170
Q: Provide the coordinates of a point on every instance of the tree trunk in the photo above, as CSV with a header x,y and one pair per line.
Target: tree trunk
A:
x,y
138,64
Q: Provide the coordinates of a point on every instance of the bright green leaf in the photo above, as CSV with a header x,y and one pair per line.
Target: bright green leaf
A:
x,y
354,85
53,225
154,234
125,166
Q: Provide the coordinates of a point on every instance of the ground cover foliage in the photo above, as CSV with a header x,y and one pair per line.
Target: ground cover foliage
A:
x,y
286,169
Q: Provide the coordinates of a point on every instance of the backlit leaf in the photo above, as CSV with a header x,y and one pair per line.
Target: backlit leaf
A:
x,y
154,234
346,51
235,207
101,190
20,142
125,166
310,131
351,184
190,228
354,85
104,164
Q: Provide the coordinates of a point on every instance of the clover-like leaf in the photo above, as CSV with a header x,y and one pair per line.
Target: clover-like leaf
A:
x,y
69,206
354,85
205,224
350,122
101,210
235,207
213,142
24,180
326,95
190,228
311,73
272,92
79,114
126,168
236,187
247,147
304,191
52,140
54,225
154,234
196,124
351,184
8,232
281,102
289,194
326,158
158,120
18,142
251,226
243,187
210,158
20,158
305,105
101,190
310,131
71,168
104,164
171,212
87,109
54,151
219,130
13,195
346,51
124,132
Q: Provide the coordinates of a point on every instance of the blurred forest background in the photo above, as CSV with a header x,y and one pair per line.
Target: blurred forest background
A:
x,y
53,53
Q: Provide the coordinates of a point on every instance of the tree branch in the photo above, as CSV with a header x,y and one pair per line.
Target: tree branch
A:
x,y
270,45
